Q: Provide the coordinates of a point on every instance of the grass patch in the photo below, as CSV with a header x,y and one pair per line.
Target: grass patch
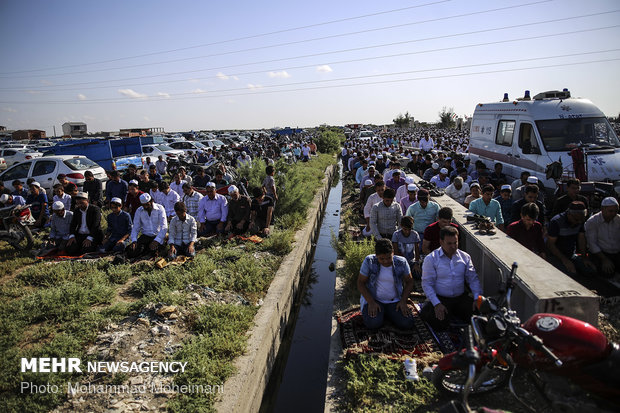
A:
x,y
222,269
376,384
220,338
280,242
353,253
12,260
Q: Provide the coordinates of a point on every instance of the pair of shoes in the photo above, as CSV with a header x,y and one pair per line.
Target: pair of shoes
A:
x,y
486,227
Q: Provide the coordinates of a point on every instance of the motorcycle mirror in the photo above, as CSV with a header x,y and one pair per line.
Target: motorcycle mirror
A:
x,y
487,306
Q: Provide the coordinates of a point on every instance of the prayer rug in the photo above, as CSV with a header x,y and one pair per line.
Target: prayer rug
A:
x,y
389,340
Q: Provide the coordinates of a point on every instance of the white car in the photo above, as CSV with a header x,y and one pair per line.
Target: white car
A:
x,y
13,156
45,170
153,151
189,147
213,143
366,135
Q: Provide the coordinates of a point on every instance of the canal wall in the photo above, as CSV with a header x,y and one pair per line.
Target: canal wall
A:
x,y
243,392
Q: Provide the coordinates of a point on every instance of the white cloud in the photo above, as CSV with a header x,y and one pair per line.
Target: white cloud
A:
x,y
253,86
33,92
130,93
324,69
81,96
194,81
10,110
229,100
283,74
163,94
46,82
146,118
199,91
223,76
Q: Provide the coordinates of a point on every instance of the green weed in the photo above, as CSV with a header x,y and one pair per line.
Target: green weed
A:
x,y
378,384
220,338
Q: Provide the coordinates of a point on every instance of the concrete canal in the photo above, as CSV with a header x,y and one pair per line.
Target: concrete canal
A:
x,y
298,379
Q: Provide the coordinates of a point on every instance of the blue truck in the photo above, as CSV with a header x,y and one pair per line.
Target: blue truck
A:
x,y
110,154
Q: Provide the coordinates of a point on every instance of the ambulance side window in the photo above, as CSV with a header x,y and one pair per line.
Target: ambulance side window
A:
x,y
527,139
505,132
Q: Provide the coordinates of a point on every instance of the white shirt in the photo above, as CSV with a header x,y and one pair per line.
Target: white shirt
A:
x,y
373,199
153,225
178,188
386,290
402,192
458,194
427,145
603,236
83,227
168,200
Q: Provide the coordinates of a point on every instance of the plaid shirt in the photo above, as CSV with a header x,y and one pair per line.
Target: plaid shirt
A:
x,y
385,220
182,232
191,202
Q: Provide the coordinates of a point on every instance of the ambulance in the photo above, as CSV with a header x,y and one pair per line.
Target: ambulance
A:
x,y
531,133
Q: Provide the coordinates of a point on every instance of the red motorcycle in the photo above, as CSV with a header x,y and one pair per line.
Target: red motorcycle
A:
x,y
549,347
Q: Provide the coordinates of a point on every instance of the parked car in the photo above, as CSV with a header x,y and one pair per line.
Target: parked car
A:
x,y
3,164
189,147
213,143
171,139
12,156
45,170
166,151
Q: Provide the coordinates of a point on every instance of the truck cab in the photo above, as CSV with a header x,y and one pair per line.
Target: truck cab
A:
x,y
530,133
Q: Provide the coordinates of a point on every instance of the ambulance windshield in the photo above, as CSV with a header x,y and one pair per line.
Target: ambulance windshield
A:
x,y
565,134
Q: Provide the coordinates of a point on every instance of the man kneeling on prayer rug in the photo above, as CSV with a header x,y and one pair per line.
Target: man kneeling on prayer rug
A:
x,y
385,283
444,273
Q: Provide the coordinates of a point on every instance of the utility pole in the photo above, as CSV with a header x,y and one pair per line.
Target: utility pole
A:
x,y
54,130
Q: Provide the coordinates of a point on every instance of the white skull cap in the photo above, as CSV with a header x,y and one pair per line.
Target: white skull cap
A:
x,y
144,198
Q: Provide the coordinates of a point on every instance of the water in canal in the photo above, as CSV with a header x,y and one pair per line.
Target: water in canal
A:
x,y
299,379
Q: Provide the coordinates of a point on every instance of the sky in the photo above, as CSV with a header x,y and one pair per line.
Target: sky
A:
x,y
208,65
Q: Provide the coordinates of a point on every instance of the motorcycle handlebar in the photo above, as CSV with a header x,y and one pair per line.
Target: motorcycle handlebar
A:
x,y
538,344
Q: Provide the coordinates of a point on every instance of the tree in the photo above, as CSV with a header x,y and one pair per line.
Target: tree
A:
x,y
329,139
403,121
446,118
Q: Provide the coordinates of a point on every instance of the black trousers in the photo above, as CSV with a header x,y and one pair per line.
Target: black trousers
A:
x,y
76,247
241,231
459,307
142,247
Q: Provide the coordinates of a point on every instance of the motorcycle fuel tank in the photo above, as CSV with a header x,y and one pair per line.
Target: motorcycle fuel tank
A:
x,y
569,339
